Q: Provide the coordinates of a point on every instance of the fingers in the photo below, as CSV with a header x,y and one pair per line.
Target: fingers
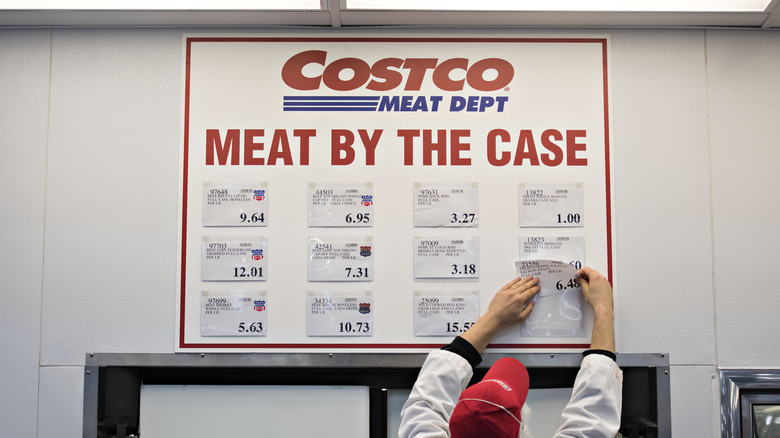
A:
x,y
526,311
587,272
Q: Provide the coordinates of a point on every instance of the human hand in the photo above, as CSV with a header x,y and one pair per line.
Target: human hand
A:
x,y
509,306
596,289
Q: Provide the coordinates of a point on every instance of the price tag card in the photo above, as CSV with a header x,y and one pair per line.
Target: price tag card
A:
x,y
446,258
341,260
235,205
568,249
228,259
341,314
341,205
555,277
558,308
444,314
446,205
551,205
233,313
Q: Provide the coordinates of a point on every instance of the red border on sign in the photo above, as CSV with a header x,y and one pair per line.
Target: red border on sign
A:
x,y
185,158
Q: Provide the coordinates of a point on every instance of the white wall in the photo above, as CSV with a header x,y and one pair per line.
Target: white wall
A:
x,y
89,136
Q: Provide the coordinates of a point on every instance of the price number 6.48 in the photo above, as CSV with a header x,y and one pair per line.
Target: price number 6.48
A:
x,y
571,284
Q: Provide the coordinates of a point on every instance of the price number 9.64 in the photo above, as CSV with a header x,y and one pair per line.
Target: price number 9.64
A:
x,y
254,218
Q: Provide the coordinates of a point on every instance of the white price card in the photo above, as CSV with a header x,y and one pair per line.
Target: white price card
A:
x,y
551,205
231,259
341,259
558,306
235,205
446,205
446,258
341,205
233,313
340,314
568,249
444,314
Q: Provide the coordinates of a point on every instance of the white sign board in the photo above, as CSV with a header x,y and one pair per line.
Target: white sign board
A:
x,y
342,159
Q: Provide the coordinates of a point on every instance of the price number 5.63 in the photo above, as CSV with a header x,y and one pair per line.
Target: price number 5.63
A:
x,y
253,327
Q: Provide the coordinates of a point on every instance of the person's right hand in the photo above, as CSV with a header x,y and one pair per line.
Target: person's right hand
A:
x,y
596,289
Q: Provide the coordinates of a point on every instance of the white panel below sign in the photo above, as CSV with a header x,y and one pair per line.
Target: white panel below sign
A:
x,y
249,411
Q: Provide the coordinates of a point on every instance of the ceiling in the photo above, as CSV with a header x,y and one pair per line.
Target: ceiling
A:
x,y
335,14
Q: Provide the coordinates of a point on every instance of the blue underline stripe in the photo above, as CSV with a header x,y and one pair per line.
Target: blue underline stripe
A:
x,y
297,108
336,98
355,104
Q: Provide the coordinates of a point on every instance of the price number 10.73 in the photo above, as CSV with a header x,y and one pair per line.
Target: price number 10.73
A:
x,y
358,327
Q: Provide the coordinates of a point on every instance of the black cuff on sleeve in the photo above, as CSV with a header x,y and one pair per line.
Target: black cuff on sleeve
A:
x,y
607,353
462,348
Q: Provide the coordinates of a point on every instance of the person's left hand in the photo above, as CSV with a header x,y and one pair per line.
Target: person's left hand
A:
x,y
511,305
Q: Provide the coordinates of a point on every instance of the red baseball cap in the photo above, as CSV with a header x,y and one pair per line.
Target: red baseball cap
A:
x,y
491,408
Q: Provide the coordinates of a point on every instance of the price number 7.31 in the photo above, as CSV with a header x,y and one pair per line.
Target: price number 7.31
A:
x,y
356,272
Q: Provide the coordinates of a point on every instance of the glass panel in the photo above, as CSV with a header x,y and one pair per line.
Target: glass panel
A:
x,y
766,421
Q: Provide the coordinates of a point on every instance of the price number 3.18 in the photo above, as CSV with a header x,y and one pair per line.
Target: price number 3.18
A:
x,y
466,269
243,272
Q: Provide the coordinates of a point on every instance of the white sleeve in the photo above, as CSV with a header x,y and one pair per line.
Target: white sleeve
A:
x,y
426,414
596,400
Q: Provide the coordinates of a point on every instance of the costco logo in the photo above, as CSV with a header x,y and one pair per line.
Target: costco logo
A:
x,y
311,70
